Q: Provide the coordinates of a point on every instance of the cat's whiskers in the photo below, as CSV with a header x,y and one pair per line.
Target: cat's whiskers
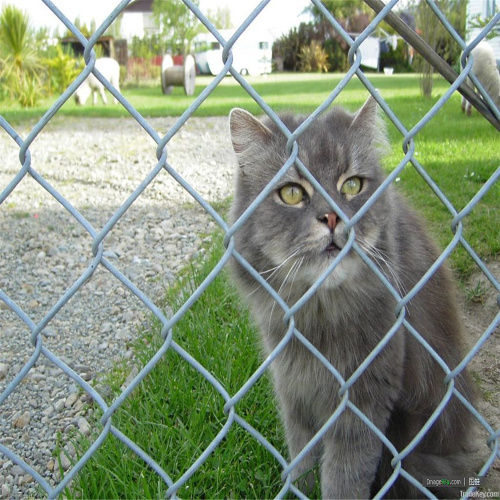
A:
x,y
273,270
276,269
292,272
380,258
298,265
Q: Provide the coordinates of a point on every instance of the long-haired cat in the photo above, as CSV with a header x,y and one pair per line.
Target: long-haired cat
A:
x,y
291,239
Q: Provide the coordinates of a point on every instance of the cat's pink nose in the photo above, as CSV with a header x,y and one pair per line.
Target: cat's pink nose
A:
x,y
330,219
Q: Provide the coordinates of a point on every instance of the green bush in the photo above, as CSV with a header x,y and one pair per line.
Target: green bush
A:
x,y
147,47
313,58
288,47
337,55
397,59
62,70
28,90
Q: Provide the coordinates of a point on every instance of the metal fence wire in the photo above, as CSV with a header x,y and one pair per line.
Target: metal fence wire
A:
x,y
33,330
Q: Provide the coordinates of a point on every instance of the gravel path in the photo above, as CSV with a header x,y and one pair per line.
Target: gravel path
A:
x,y
96,165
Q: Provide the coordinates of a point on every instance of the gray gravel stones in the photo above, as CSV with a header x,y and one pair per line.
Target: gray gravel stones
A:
x,y
95,164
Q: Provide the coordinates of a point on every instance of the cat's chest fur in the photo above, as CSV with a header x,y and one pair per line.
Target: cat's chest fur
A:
x,y
344,327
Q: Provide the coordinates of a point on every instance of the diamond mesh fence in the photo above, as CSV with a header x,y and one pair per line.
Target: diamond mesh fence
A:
x,y
41,331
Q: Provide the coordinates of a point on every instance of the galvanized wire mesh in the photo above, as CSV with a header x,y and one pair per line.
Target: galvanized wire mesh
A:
x,y
99,261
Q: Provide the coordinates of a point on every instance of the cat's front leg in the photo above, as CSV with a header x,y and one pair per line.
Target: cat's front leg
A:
x,y
298,434
350,461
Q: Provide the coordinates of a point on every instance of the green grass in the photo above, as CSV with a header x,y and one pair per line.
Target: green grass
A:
x,y
460,154
303,92
175,413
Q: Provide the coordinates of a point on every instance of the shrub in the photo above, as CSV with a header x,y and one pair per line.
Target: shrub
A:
x,y
313,58
288,47
397,59
337,55
62,70
28,90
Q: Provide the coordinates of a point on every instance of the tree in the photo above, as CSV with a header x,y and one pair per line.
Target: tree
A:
x,y
480,22
17,48
341,11
221,18
352,15
438,37
178,25
86,31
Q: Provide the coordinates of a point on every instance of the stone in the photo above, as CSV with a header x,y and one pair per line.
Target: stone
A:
x,y
84,426
22,421
71,400
17,470
65,461
24,480
59,405
48,411
128,316
6,490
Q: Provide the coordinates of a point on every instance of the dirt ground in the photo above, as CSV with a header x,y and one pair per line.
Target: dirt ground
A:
x,y
480,310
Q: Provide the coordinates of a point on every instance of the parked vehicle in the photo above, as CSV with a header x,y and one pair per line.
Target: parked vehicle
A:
x,y
252,52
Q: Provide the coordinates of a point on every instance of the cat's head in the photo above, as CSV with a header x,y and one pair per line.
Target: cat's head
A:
x,y
294,234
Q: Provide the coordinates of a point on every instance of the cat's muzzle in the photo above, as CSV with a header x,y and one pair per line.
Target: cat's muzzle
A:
x,y
332,247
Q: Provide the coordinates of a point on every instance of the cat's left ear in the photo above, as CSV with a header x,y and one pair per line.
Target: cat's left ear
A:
x,y
368,111
248,134
368,125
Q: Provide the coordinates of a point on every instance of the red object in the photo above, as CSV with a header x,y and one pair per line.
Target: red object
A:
x,y
178,60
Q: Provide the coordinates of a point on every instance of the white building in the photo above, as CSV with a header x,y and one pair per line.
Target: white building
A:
x,y
484,9
138,20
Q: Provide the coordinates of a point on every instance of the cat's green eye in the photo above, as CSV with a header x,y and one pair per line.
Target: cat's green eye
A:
x,y
352,186
292,194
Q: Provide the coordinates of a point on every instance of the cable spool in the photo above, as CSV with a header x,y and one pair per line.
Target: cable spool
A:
x,y
178,76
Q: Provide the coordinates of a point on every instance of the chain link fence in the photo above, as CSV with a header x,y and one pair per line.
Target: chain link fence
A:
x,y
100,261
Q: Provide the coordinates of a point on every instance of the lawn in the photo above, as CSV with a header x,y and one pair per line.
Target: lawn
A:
x,y
303,92
175,413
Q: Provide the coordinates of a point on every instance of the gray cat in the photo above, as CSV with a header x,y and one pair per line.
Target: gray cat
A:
x,y
291,239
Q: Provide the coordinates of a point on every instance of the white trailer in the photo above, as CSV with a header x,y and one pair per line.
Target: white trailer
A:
x,y
252,52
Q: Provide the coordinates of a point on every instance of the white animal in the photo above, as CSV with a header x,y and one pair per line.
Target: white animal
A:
x,y
110,69
485,68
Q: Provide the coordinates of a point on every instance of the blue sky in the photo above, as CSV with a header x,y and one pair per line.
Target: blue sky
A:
x,y
278,16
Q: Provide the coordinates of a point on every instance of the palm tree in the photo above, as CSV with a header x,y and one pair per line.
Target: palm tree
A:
x,y
19,62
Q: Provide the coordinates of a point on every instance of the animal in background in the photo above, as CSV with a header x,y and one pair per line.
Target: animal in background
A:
x,y
484,66
110,69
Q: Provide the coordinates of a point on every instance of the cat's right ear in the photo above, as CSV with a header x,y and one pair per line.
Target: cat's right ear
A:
x,y
247,133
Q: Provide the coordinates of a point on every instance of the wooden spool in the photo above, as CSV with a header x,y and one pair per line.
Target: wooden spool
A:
x,y
178,76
